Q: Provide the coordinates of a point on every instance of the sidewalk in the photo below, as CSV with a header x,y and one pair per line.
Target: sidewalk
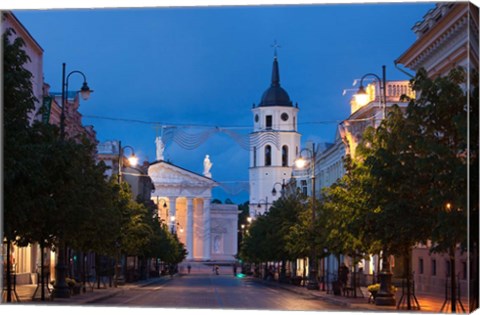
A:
x,y
25,293
428,303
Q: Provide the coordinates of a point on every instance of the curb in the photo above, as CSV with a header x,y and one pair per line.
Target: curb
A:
x,y
307,293
294,290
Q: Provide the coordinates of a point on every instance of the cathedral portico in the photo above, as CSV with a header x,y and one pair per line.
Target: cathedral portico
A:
x,y
183,202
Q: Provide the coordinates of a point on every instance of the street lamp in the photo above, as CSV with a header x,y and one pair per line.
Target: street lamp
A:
x,y
384,295
300,163
164,206
84,93
362,98
282,188
133,160
61,288
179,227
259,205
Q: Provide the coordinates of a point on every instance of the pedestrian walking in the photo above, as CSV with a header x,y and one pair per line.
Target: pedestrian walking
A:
x,y
189,268
234,270
216,269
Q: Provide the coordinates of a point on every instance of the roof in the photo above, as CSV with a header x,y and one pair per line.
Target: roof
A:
x,y
181,168
275,95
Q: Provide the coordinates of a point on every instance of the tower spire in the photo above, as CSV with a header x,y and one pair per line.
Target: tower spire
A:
x,y
275,72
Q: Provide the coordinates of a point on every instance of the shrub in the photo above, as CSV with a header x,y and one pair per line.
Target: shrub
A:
x,y
376,287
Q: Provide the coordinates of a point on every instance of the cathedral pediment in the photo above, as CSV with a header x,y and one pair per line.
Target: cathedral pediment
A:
x,y
165,173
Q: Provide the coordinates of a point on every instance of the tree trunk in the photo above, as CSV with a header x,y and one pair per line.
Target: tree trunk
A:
x,y
97,270
9,274
84,271
338,268
283,271
453,286
354,280
407,275
42,273
376,280
304,271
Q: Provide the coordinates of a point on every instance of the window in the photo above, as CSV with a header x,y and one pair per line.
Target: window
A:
x,y
434,267
304,187
268,121
285,155
304,191
268,155
254,156
420,266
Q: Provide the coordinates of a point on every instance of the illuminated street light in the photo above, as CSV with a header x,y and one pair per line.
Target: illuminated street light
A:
x,y
61,288
301,162
362,97
133,160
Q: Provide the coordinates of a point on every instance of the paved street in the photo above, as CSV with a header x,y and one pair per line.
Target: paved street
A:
x,y
217,292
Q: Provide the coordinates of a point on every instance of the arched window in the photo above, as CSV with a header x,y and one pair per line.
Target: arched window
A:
x,y
285,155
268,155
254,156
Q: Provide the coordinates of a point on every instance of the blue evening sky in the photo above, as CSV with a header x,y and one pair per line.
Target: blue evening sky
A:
x,y
208,65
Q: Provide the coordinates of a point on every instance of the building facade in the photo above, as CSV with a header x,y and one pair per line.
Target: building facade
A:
x,y
183,199
34,52
447,37
274,144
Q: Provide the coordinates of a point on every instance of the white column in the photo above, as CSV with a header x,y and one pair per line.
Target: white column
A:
x,y
172,213
206,231
189,228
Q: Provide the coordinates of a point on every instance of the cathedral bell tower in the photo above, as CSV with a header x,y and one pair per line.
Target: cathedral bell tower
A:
x,y
274,144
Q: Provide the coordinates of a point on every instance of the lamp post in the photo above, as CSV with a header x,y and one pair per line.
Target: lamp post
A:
x,y
282,188
384,295
84,92
362,98
302,163
259,205
61,289
164,206
133,160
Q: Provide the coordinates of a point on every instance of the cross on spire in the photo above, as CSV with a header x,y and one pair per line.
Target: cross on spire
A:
x,y
275,46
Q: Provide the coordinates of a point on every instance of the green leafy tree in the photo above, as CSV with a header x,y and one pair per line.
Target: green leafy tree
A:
x,y
441,113
255,247
345,208
19,102
394,184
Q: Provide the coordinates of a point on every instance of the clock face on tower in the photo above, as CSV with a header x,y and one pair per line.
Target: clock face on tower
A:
x,y
284,116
